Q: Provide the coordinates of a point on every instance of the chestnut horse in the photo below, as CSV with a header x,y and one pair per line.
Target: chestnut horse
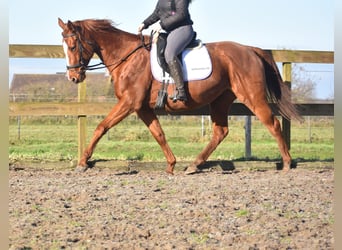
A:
x,y
247,73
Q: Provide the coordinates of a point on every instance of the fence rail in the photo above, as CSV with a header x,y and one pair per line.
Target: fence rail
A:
x,y
56,51
96,108
83,109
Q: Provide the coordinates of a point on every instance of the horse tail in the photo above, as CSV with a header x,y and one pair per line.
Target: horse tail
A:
x,y
277,91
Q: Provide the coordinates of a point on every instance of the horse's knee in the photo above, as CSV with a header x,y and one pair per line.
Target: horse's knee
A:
x,y
101,129
221,132
276,124
226,131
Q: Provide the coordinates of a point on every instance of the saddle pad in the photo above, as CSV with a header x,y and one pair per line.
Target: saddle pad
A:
x,y
196,64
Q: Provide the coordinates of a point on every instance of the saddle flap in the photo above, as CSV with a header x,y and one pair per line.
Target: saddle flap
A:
x,y
161,45
196,62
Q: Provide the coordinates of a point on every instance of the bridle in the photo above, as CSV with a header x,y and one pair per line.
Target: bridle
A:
x,y
82,65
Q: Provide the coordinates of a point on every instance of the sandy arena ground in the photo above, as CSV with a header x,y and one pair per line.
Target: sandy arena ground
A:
x,y
139,208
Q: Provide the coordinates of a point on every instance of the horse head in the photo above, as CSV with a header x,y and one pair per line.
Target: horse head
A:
x,y
77,49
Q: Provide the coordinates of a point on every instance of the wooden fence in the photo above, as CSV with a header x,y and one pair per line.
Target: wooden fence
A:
x,y
82,109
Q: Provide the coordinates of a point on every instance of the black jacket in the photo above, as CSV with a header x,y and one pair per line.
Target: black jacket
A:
x,y
171,15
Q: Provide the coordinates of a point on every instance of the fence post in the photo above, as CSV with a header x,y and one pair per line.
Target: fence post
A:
x,y
19,126
82,120
286,124
248,137
202,126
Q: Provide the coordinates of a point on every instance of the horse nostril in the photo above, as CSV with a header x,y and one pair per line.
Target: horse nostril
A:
x,y
74,79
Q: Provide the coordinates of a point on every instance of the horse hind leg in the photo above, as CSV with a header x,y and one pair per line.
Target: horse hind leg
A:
x,y
219,133
264,113
219,117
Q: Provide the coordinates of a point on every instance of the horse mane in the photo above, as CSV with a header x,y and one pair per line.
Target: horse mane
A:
x,y
96,25
87,27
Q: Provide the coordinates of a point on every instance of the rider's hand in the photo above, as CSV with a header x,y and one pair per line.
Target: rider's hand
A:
x,y
141,28
157,28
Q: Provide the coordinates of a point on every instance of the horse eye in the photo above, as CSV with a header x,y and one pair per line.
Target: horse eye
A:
x,y
73,49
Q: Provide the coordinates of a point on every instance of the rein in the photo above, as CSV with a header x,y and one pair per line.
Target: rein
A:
x,y
101,65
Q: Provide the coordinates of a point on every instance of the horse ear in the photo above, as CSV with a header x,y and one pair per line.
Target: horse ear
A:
x,y
70,25
61,23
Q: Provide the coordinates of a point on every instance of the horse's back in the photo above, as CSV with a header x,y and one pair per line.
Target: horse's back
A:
x,y
232,49
236,57
228,45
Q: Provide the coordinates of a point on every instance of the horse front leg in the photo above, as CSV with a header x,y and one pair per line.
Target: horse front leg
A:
x,y
152,122
121,110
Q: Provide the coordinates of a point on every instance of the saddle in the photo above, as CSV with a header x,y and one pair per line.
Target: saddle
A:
x,y
195,60
161,45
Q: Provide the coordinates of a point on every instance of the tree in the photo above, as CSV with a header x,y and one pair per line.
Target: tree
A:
x,y
303,86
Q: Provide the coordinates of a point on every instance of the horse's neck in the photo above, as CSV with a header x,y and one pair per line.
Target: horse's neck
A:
x,y
115,46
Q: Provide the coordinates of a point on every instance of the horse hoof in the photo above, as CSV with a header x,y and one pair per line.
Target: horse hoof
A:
x,y
191,170
286,167
286,170
81,169
169,170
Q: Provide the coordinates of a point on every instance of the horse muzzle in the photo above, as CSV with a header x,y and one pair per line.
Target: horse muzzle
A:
x,y
76,76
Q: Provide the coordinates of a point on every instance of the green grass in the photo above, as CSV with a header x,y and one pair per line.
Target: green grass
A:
x,y
55,139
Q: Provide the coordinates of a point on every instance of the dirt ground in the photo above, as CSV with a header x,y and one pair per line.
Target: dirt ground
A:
x,y
135,207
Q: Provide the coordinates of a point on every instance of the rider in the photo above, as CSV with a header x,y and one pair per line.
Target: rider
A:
x,y
174,18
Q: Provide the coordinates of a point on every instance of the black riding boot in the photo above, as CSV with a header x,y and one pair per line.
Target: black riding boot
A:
x,y
177,75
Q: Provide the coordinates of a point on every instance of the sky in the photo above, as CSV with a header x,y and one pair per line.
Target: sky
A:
x,y
268,24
